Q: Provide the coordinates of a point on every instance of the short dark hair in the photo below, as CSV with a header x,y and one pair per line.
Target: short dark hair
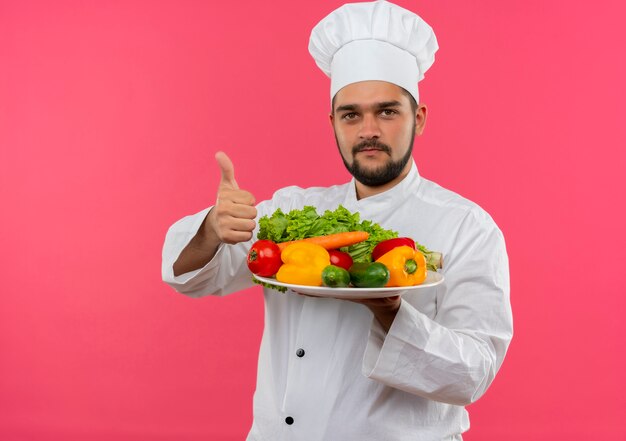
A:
x,y
404,91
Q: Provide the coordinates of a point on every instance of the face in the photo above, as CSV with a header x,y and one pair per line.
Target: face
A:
x,y
375,127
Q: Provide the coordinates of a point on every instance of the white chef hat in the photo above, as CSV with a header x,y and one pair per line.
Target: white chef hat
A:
x,y
373,41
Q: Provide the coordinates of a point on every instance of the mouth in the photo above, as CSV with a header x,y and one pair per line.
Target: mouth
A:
x,y
371,149
371,153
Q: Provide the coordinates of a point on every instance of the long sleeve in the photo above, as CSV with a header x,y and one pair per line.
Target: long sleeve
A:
x,y
442,351
226,273
453,357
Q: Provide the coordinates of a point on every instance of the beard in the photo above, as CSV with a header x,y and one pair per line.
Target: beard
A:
x,y
380,175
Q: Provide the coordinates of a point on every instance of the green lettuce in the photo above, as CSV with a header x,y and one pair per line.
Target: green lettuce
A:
x,y
300,224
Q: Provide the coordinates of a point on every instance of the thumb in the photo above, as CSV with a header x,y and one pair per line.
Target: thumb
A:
x,y
227,169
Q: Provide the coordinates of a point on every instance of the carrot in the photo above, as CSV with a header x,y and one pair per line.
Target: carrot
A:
x,y
332,241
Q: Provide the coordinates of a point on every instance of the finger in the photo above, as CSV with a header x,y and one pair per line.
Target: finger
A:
x,y
227,169
236,196
244,225
225,224
245,211
234,237
240,211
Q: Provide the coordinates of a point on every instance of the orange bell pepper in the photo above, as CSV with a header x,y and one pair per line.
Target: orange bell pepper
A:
x,y
407,267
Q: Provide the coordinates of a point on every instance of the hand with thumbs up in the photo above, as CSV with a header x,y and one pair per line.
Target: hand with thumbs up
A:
x,y
232,218
230,221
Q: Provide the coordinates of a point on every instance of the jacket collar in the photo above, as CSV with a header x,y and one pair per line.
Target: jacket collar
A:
x,y
408,186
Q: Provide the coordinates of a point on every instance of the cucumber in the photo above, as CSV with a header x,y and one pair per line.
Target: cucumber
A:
x,y
369,275
335,277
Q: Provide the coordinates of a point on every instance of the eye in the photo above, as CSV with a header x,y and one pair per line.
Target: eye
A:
x,y
349,116
388,112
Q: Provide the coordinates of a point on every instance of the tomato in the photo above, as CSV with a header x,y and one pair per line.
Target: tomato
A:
x,y
264,258
340,259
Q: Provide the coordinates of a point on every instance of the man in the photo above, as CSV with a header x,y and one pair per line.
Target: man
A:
x,y
401,368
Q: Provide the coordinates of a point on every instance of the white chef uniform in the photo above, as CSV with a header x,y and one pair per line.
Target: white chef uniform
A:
x,y
327,370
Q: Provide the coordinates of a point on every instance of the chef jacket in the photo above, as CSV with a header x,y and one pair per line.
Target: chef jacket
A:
x,y
327,370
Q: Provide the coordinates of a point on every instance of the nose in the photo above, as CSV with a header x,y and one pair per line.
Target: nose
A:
x,y
369,127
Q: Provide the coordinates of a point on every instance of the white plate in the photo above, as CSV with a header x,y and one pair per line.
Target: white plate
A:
x,y
432,279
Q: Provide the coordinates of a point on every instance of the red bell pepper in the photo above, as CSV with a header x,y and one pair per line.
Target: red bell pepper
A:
x,y
387,245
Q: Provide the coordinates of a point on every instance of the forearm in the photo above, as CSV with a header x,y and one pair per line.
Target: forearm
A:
x,y
230,220
224,273
200,250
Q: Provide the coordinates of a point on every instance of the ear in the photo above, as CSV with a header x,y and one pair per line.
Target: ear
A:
x,y
420,118
331,119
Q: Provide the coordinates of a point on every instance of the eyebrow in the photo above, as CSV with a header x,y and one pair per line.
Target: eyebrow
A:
x,y
381,105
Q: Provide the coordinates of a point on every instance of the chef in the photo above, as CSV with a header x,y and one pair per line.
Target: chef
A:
x,y
400,368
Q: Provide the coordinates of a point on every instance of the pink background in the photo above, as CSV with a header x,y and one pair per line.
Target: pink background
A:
x,y
111,112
